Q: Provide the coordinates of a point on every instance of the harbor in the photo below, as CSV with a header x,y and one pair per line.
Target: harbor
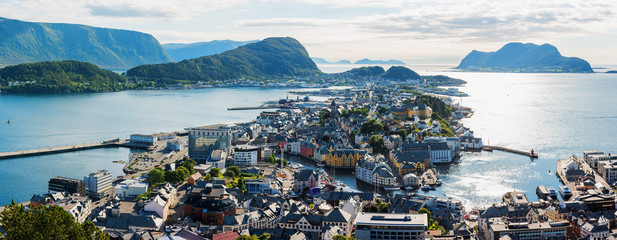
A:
x,y
64,149
531,154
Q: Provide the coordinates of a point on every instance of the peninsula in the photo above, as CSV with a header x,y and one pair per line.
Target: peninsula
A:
x,y
524,57
270,57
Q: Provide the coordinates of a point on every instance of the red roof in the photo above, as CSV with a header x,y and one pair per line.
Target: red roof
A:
x,y
231,235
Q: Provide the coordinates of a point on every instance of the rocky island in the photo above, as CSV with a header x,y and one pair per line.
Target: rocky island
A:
x,y
524,57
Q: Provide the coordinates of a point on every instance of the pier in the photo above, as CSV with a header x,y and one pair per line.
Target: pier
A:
x,y
505,149
63,149
252,108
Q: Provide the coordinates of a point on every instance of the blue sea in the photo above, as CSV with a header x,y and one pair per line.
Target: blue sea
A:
x,y
555,114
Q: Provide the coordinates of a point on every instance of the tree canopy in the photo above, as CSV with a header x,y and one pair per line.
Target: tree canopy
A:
x,y
42,222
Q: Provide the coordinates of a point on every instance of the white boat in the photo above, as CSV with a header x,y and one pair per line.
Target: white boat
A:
x,y
551,192
565,191
438,183
392,188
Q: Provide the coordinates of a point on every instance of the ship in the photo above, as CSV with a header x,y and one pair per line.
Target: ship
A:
x,y
542,192
565,192
551,192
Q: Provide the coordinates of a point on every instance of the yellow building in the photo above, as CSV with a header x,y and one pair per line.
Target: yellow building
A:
x,y
342,158
404,112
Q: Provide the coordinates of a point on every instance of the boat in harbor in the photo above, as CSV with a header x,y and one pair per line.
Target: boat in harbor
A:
x,y
551,192
409,188
565,192
438,182
392,188
542,192
427,188
320,165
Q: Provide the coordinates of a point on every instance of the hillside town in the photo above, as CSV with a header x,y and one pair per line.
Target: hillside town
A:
x,y
233,181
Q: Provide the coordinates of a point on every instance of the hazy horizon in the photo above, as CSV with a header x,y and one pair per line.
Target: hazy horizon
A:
x,y
415,32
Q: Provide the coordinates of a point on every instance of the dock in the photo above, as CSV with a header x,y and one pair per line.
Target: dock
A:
x,y
64,149
253,108
505,149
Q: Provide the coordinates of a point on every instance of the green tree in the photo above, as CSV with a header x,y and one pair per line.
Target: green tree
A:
x,y
42,222
371,126
173,176
265,236
208,177
156,176
230,174
235,169
215,172
241,183
183,173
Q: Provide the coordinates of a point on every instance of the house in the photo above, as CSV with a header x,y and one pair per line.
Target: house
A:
x,y
209,203
392,141
306,178
194,178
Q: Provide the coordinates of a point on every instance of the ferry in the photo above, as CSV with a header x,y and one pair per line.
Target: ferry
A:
x,y
551,192
565,192
542,192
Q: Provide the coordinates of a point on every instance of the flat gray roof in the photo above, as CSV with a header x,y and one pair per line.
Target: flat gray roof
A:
x,y
391,219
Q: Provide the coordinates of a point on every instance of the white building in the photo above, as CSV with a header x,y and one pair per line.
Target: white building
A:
x,y
175,145
79,207
247,155
204,140
375,172
608,170
98,184
373,226
157,205
129,189
143,139
411,179
440,153
294,147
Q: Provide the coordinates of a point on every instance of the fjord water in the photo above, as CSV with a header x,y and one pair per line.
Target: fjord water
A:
x,y
555,114
41,121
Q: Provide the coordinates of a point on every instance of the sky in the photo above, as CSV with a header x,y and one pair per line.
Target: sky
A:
x,y
417,32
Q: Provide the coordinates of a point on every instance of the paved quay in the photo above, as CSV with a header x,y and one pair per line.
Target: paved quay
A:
x,y
62,149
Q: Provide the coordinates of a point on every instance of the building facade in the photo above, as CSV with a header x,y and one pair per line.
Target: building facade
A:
x,y
72,186
204,140
98,184
247,155
373,226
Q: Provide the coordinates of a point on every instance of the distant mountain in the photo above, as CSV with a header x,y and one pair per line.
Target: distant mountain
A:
x,y
182,51
611,71
59,77
324,61
519,57
368,71
267,58
22,42
320,60
388,62
394,72
400,73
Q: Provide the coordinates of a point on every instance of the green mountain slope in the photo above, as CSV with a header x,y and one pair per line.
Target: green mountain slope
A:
x,y
59,77
22,42
267,58
519,57
181,51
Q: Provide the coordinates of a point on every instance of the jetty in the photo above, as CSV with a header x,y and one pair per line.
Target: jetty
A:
x,y
252,108
530,154
71,148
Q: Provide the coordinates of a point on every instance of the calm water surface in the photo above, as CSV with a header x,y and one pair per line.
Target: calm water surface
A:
x,y
555,114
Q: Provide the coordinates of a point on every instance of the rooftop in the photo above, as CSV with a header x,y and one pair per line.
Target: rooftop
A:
x,y
391,219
